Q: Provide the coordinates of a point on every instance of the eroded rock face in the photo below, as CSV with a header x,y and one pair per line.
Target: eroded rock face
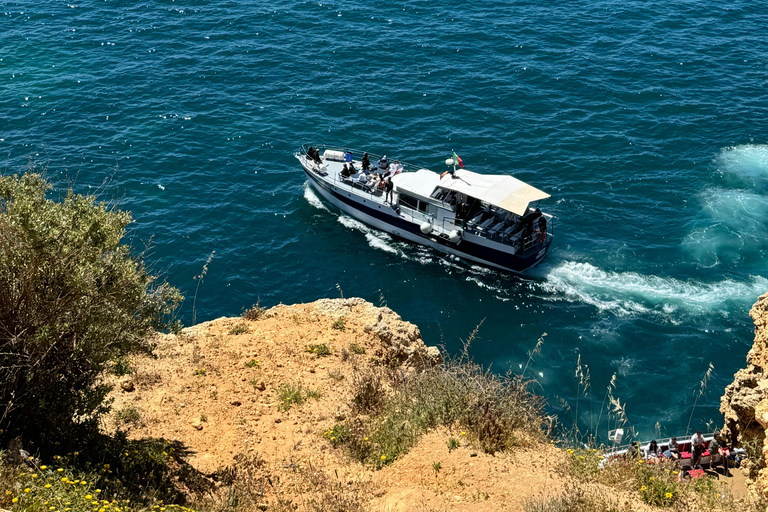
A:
x,y
401,339
745,402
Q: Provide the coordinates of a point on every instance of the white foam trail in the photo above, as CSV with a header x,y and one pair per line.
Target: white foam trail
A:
x,y
630,293
376,239
312,198
748,161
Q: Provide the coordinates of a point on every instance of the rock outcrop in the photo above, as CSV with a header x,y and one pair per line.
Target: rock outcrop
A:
x,y
745,402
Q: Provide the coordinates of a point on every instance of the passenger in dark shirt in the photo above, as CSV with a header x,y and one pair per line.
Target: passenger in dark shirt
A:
x,y
366,162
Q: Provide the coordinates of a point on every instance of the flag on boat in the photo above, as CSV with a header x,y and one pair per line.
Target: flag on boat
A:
x,y
457,160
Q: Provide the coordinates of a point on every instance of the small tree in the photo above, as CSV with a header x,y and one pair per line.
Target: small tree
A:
x,y
72,298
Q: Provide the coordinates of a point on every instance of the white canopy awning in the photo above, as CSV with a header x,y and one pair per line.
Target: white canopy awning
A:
x,y
505,192
421,182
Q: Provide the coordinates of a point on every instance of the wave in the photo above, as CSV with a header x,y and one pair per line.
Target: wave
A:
x,y
631,293
312,198
747,163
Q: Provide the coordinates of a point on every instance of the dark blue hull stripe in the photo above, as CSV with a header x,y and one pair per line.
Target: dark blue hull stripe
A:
x,y
505,260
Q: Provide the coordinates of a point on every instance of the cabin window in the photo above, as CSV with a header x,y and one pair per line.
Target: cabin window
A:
x,y
409,201
413,203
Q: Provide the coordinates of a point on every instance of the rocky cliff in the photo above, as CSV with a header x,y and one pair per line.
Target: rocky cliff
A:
x,y
745,402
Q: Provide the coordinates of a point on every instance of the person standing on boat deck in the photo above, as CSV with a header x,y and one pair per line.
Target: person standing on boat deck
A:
x,y
697,447
366,162
388,187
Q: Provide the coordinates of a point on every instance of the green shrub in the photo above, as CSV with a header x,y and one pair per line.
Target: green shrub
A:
x,y
338,324
72,299
294,394
254,313
253,363
121,366
356,349
239,329
128,415
453,444
321,350
497,412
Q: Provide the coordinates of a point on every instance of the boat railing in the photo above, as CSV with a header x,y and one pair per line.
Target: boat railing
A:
x,y
357,155
508,234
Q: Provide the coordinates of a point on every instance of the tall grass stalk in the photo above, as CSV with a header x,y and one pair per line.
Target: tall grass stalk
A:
x,y
536,351
702,389
611,386
199,279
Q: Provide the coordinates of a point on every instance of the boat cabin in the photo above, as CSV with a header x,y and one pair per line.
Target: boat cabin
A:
x,y
493,207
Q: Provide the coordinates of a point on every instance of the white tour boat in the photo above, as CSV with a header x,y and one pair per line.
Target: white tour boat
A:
x,y
488,219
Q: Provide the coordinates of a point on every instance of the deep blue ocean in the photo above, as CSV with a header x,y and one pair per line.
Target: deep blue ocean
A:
x,y
646,121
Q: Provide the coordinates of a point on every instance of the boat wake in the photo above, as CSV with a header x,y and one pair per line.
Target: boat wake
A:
x,y
732,229
631,293
312,198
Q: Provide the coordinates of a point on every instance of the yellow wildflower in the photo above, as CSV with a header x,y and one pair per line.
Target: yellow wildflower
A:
x,y
642,488
83,482
15,500
34,475
674,473
27,489
383,457
97,491
60,470
43,467
47,486
463,433
365,439
668,495
88,496
652,479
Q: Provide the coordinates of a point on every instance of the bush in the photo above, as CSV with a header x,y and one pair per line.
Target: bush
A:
x,y
294,394
320,350
72,299
254,313
499,413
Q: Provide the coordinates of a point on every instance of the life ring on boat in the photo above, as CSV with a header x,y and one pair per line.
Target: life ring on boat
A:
x,y
542,237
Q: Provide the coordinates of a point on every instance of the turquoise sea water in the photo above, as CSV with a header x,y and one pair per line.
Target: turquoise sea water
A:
x,y
646,121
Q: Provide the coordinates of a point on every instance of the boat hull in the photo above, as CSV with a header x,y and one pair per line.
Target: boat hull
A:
x,y
384,218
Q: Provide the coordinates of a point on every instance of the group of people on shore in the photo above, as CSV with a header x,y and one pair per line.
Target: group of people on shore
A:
x,y
719,451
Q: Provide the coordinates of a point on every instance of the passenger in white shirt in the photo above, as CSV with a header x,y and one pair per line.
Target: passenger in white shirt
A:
x,y
697,447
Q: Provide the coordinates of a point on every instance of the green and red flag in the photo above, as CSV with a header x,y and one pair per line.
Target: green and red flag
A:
x,y
457,160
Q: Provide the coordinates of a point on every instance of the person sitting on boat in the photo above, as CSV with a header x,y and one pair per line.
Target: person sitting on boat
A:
x,y
652,452
345,172
383,164
362,179
672,451
398,168
366,163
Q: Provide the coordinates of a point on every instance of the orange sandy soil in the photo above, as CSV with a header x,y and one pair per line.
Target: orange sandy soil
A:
x,y
217,394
